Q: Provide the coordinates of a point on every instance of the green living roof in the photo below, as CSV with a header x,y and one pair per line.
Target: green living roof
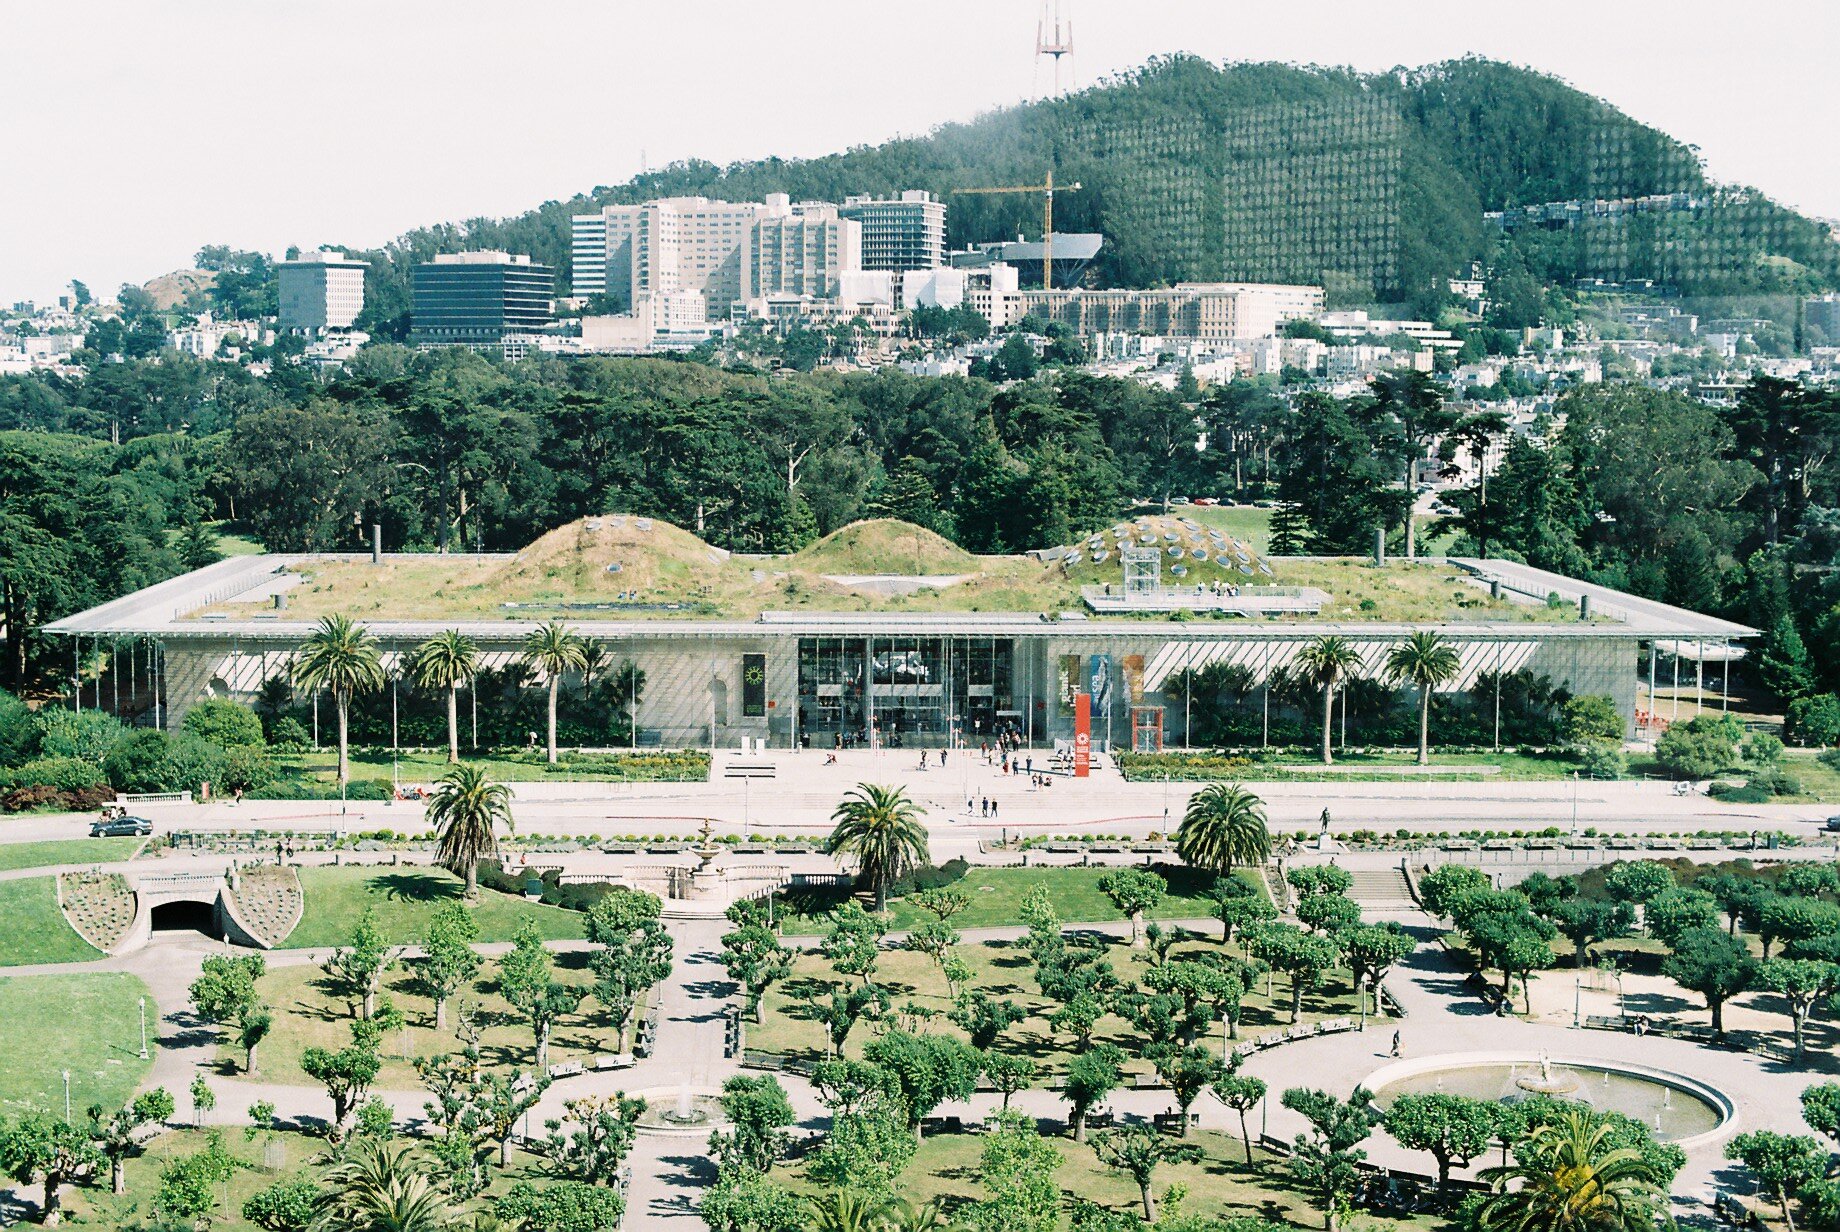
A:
x,y
620,567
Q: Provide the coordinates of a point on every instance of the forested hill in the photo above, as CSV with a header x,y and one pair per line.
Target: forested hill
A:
x,y
1373,185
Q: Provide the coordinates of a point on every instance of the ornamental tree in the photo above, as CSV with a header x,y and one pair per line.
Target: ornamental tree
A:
x,y
1092,1075
40,1148
1452,1128
1713,964
1134,891
1801,983
448,962
1138,1151
117,1133
1241,1093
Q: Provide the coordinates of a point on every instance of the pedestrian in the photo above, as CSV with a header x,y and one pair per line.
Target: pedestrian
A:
x,y
942,759
969,805
993,808
983,806
1395,1043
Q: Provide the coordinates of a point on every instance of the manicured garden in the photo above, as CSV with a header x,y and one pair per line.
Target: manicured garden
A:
x,y
87,1023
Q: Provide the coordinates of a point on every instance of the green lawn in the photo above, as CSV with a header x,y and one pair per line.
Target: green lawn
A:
x,y
1219,1184
86,1023
33,930
66,851
1820,782
405,897
1003,969
997,893
307,1015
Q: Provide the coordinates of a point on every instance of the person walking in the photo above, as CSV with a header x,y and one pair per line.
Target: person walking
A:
x,y
1395,1044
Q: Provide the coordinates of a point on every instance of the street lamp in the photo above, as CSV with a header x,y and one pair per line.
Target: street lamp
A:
x,y
66,1097
1577,997
143,1028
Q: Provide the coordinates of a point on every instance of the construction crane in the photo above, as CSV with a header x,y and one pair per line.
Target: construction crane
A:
x,y
1047,192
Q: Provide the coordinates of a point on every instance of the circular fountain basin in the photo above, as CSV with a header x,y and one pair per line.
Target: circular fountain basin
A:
x,y
679,1110
1674,1107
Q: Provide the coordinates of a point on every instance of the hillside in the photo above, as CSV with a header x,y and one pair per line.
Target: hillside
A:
x,y
1373,185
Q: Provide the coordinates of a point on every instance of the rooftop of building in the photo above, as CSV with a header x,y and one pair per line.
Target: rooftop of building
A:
x,y
625,574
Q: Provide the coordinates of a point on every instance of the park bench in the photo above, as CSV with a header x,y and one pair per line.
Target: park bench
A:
x,y
1604,1022
1172,1122
750,770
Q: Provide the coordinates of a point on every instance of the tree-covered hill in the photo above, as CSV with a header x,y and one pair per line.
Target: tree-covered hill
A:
x,y
1374,185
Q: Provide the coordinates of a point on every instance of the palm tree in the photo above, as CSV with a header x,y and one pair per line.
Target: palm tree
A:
x,y
1326,662
1425,660
376,1189
446,661
1222,827
465,813
553,650
1567,1178
905,1216
845,1210
881,827
341,657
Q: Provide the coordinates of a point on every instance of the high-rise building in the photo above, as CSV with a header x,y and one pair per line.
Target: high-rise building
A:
x,y
726,251
320,290
1823,313
480,299
901,233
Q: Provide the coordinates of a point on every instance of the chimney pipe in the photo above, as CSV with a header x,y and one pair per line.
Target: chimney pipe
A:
x,y
281,602
1379,545
1584,607
376,543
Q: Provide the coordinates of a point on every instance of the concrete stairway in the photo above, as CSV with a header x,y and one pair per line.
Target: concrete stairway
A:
x,y
1380,888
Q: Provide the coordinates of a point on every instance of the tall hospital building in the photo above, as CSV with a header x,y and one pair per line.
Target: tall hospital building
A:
x,y
728,252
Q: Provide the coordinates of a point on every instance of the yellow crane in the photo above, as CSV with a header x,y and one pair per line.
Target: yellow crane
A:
x,y
1047,192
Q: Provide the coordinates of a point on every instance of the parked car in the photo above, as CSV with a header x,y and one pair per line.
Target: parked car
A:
x,y
120,827
1207,500
1832,823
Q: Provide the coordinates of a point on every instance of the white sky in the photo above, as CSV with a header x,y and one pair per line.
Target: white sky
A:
x,y
138,130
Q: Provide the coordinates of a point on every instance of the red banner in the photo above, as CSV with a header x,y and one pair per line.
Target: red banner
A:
x,y
1082,735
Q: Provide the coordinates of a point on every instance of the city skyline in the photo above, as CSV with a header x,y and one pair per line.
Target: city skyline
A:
x,y
207,170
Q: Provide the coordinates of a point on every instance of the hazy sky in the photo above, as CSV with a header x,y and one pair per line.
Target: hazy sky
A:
x,y
137,131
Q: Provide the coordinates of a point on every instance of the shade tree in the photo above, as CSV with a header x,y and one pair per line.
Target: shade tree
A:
x,y
1138,1151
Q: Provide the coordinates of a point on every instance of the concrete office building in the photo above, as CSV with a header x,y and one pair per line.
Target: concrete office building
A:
x,y
901,233
1210,311
728,252
992,290
319,291
483,300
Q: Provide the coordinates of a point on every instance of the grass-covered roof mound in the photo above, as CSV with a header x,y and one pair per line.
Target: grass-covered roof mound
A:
x,y
885,546
617,566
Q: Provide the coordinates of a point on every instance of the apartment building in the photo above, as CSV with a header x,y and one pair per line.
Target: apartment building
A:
x,y
727,252
901,233
320,291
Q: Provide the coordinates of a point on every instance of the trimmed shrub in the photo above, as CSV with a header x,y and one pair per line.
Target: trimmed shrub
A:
x,y
1602,759
1592,717
288,736
60,774
226,724
1687,753
929,877
138,761
90,735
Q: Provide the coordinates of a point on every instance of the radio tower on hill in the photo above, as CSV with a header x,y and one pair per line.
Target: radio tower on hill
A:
x,y
1053,40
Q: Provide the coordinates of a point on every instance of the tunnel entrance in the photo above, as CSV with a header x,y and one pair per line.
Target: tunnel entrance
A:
x,y
183,917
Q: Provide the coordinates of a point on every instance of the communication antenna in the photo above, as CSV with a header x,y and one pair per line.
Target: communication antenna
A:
x,y
1054,40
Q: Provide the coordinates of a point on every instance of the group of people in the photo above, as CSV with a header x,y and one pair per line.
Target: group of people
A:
x,y
985,805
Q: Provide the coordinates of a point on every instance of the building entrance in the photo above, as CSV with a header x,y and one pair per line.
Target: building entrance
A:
x,y
906,692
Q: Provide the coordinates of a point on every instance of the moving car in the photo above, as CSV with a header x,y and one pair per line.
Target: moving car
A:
x,y
1832,823
120,827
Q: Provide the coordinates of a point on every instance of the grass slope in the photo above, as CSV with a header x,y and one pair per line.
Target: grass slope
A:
x,y
66,851
405,898
86,1023
33,930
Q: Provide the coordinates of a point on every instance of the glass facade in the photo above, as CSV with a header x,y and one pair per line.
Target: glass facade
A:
x,y
910,692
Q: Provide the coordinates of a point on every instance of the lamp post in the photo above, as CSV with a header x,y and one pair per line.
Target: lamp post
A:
x,y
66,1097
143,1028
1574,803
1577,998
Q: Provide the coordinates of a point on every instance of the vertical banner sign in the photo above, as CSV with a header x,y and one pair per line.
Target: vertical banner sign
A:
x,y
1068,681
753,686
1134,678
1099,684
1082,735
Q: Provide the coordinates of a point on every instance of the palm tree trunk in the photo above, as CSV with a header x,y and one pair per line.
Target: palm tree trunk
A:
x,y
1328,721
453,725
344,758
472,881
553,682
1424,725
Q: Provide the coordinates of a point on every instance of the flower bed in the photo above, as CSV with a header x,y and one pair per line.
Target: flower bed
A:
x,y
100,906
